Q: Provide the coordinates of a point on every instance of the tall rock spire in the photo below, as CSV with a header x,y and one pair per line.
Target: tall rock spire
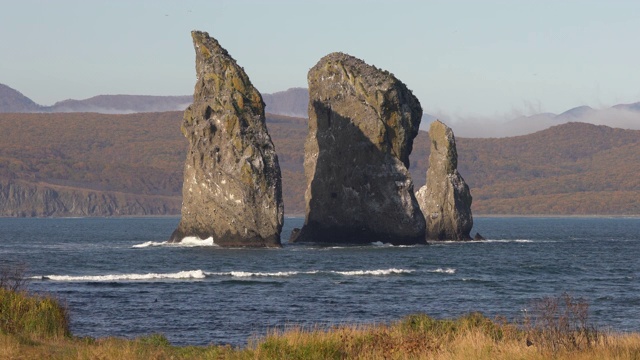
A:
x,y
445,200
232,188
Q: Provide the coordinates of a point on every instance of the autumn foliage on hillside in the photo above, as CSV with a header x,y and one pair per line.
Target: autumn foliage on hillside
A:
x,y
574,168
566,170
139,153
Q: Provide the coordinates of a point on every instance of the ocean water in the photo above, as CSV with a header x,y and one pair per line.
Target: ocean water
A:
x,y
119,277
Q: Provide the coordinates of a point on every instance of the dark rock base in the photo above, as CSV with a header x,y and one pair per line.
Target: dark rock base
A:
x,y
314,233
230,240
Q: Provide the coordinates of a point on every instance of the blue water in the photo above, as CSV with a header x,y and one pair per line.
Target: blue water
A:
x,y
119,278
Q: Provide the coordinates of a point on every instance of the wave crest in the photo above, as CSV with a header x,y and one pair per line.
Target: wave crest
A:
x,y
192,274
392,271
190,241
443,271
244,274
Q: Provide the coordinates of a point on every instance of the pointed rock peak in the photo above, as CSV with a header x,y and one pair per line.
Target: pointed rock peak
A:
x,y
206,45
443,146
232,190
445,200
221,77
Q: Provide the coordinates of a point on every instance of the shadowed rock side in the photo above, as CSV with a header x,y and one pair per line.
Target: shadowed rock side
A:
x,y
232,188
362,122
445,200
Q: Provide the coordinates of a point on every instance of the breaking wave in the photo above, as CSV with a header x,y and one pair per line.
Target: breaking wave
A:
x,y
392,271
193,274
244,274
199,274
150,244
443,271
190,241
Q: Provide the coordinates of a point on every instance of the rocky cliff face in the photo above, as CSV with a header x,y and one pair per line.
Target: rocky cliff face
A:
x,y
445,200
232,188
23,199
362,122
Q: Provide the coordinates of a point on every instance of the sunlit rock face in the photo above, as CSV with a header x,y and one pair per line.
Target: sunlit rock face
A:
x,y
232,188
445,200
362,122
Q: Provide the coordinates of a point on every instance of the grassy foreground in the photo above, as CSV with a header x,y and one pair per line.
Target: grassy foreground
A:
x,y
469,337
36,327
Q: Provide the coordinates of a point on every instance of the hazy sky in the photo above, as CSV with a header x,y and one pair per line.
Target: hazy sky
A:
x,y
462,58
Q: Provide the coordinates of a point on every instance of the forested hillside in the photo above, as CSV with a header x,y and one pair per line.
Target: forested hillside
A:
x,y
574,168
88,164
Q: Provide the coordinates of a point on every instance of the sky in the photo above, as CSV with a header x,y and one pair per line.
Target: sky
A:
x,y
466,59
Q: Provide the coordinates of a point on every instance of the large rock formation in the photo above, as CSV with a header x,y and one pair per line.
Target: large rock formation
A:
x,y
362,122
445,200
232,188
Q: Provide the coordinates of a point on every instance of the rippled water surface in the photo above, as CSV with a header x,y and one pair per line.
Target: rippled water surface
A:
x,y
120,278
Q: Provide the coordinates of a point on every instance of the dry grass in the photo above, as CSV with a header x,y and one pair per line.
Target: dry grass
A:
x,y
346,342
36,327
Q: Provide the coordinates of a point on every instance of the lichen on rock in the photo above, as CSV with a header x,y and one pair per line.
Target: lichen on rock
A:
x,y
362,122
232,188
445,200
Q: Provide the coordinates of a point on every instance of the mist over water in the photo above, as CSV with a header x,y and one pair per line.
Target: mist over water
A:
x,y
119,277
516,123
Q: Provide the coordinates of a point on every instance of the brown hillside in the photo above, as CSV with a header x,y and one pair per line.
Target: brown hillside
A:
x,y
574,168
133,164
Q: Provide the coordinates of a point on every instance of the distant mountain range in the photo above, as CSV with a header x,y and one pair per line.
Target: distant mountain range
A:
x,y
294,102
625,116
13,101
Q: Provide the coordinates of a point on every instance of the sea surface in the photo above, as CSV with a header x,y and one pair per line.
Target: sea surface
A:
x,y
119,277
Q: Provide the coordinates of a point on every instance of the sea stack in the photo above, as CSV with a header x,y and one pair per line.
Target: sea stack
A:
x,y
362,122
232,188
445,200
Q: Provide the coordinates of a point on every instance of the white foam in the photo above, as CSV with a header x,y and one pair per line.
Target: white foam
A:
x,y
150,244
195,241
246,274
443,271
189,241
243,274
193,274
392,271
